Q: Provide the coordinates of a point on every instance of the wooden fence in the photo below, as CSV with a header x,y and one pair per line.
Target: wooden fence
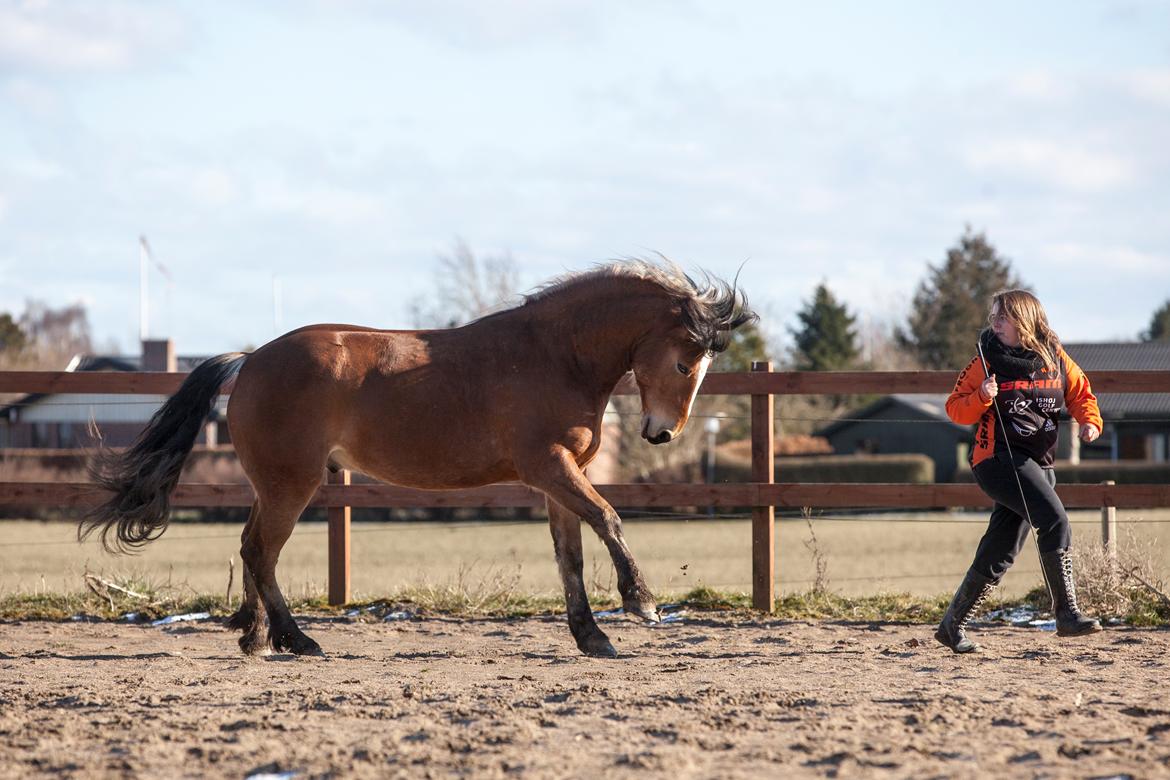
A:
x,y
762,494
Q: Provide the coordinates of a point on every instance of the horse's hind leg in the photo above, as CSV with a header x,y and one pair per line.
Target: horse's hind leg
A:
x,y
249,618
254,639
566,533
276,515
250,607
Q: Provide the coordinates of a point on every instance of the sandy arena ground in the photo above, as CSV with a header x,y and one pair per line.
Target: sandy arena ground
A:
x,y
709,696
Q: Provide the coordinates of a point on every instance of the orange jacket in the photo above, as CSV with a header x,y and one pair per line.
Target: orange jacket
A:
x,y
1029,407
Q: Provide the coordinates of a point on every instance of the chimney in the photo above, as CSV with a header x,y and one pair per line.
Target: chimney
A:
x,y
159,355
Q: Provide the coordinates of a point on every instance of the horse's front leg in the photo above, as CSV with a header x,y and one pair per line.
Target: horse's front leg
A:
x,y
566,534
561,480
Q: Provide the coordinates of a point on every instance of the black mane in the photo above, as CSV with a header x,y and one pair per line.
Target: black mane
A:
x,y
710,310
714,311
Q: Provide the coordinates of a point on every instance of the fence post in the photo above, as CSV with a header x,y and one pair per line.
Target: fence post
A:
x,y
1109,525
763,517
339,544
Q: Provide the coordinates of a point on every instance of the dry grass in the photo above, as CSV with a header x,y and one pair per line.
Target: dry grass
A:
x,y
494,591
820,584
470,596
1129,585
474,590
922,555
113,598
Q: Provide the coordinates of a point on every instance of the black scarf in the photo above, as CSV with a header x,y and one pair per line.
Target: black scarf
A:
x,y
1008,361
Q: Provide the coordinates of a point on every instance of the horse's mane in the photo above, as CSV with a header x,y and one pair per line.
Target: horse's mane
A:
x,y
711,309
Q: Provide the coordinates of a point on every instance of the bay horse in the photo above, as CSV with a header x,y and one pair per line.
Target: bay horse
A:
x,y
515,395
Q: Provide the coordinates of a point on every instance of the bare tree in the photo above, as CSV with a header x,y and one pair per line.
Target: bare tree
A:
x,y
48,337
64,329
882,350
466,287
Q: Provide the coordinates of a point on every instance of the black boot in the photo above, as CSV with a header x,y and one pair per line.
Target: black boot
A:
x,y
971,593
1057,567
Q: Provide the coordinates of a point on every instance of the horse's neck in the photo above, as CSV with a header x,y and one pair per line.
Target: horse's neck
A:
x,y
599,329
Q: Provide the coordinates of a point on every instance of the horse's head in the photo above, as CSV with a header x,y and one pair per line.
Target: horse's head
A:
x,y
670,362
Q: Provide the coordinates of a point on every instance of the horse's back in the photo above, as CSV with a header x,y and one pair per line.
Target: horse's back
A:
x,y
293,392
407,407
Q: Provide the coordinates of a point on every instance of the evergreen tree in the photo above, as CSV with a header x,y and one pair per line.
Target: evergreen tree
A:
x,y
12,337
950,306
826,339
1159,329
747,345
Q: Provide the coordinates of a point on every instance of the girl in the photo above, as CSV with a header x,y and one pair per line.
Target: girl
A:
x,y
1016,397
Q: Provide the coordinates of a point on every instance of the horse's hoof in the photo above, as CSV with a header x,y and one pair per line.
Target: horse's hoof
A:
x,y
298,644
597,646
309,648
648,611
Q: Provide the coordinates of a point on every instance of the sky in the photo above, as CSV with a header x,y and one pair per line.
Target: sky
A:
x,y
340,147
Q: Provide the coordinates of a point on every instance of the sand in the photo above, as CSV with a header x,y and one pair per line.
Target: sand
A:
x,y
713,695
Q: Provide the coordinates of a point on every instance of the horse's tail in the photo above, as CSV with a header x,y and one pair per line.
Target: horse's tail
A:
x,y
142,478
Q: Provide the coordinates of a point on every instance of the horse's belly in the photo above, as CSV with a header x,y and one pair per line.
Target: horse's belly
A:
x,y
424,467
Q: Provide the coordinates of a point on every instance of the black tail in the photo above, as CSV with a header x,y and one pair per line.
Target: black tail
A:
x,y
142,478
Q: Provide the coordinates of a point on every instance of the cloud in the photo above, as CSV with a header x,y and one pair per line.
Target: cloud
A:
x,y
1095,258
332,205
33,168
38,36
32,97
470,24
1038,85
214,187
1058,164
606,150
1151,85
205,184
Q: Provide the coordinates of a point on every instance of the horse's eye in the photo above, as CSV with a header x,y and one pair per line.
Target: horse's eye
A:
x,y
683,369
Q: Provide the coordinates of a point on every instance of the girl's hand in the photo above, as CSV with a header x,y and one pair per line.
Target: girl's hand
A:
x,y
1089,432
989,389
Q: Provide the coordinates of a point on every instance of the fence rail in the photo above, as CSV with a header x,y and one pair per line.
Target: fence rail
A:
x,y
746,383
762,494
835,495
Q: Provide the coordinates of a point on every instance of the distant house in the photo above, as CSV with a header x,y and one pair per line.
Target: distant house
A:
x,y
902,423
61,420
1137,425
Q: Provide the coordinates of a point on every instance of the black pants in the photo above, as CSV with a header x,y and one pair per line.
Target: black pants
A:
x,y
1009,527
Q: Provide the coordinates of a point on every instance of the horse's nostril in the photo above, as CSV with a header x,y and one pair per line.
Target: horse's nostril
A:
x,y
661,438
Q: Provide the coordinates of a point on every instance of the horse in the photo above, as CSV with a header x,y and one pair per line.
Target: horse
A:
x,y
518,394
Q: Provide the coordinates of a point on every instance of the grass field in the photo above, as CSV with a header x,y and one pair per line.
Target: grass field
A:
x,y
922,554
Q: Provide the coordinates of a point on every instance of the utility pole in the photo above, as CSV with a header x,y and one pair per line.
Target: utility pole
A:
x,y
143,289
276,305
712,428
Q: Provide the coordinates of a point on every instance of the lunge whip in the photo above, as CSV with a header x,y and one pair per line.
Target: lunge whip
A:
x,y
1006,439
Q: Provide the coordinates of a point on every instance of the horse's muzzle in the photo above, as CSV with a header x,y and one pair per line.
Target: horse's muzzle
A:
x,y
661,437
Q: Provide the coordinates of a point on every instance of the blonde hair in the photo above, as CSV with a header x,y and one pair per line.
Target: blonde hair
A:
x,y
1024,310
